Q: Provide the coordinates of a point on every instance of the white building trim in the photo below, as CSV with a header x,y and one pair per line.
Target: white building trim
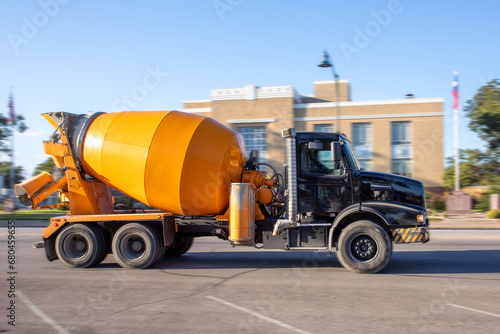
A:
x,y
228,94
195,110
251,120
197,101
373,116
252,92
367,103
330,81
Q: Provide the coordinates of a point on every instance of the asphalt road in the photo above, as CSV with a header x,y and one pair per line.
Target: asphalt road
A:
x,y
449,285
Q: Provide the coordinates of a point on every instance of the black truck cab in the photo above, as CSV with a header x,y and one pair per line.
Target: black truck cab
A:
x,y
341,206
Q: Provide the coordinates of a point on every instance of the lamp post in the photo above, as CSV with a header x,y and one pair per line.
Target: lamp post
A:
x,y
325,63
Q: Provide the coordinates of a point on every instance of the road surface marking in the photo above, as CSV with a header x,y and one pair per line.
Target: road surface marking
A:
x,y
474,310
258,315
41,314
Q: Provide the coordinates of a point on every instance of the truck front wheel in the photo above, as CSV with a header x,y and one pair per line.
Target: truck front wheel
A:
x,y
364,247
136,246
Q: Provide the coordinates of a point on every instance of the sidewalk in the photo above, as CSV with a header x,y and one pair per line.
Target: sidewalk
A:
x,y
475,221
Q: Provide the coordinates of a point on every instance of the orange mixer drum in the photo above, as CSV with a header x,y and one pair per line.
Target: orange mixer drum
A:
x,y
172,161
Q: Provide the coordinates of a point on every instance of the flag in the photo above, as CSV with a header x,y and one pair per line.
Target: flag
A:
x,y
455,90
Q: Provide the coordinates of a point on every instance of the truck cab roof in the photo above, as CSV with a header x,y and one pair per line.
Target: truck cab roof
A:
x,y
320,135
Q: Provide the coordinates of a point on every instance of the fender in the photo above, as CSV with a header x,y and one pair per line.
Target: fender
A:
x,y
358,210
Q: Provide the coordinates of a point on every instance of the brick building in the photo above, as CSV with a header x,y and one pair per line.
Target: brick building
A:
x,y
401,136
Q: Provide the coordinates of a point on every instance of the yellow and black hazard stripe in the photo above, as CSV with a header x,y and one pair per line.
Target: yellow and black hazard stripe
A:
x,y
413,234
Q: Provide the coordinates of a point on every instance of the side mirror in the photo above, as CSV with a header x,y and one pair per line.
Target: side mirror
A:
x,y
336,152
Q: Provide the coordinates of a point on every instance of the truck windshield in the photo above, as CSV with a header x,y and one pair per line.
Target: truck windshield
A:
x,y
351,157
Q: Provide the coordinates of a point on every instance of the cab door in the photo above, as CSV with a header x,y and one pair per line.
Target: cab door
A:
x,y
324,186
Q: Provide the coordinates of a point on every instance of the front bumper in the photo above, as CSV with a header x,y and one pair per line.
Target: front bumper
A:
x,y
411,234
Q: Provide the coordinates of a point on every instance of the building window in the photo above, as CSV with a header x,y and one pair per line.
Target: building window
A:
x,y
401,148
401,133
401,167
323,127
254,138
362,144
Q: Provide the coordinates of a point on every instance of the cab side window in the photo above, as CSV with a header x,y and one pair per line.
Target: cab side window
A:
x,y
317,159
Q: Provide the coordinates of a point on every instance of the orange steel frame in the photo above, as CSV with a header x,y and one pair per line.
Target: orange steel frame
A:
x,y
57,222
86,197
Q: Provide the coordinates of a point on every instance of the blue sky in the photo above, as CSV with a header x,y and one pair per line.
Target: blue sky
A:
x,y
80,56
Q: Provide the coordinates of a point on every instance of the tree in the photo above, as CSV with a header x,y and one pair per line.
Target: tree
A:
x,y
5,171
47,166
484,113
6,130
476,168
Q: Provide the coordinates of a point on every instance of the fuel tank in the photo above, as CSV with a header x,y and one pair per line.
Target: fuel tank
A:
x,y
169,160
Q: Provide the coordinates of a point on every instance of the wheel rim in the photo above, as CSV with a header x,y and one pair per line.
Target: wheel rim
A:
x,y
364,248
75,246
133,247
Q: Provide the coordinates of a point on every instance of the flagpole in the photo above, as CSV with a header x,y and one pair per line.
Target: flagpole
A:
x,y
455,123
12,165
457,161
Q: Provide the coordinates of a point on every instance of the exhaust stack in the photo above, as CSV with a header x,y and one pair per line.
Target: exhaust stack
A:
x,y
291,191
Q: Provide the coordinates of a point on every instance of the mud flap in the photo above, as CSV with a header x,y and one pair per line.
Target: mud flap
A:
x,y
169,230
50,248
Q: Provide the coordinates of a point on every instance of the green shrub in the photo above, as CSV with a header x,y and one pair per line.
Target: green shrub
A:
x,y
436,204
439,204
483,204
493,214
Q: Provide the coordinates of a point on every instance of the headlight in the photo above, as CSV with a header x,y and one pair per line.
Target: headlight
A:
x,y
421,218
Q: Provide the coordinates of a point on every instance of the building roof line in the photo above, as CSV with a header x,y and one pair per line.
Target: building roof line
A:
x,y
197,101
195,110
251,120
367,103
330,81
373,116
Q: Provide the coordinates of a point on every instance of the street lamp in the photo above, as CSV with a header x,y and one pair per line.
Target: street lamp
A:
x,y
325,63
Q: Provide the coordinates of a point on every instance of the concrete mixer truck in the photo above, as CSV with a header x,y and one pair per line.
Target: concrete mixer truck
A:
x,y
193,172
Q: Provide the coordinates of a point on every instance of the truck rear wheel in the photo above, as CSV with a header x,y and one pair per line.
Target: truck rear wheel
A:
x,y
80,245
136,246
364,247
106,242
180,246
161,247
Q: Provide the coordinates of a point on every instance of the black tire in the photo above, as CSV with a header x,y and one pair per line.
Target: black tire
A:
x,y
161,247
136,246
364,247
80,245
106,241
180,246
